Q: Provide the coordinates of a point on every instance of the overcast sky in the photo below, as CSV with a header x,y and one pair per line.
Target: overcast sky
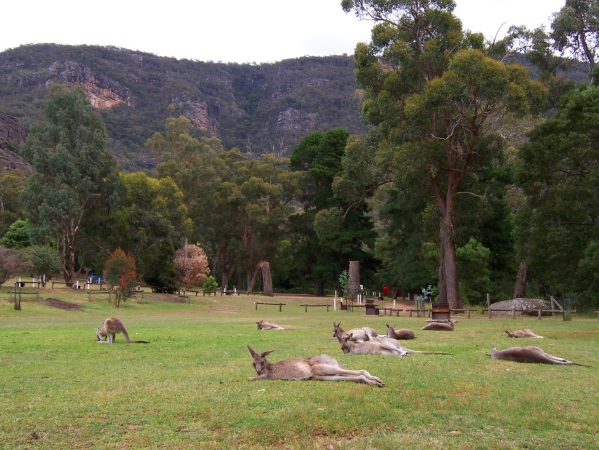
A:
x,y
229,30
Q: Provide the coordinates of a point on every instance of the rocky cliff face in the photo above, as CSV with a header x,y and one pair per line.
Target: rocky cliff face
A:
x,y
103,93
12,136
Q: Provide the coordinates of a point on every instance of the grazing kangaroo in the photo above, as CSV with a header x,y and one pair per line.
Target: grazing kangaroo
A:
x,y
358,334
386,346
529,355
403,334
262,325
523,333
440,326
110,328
320,368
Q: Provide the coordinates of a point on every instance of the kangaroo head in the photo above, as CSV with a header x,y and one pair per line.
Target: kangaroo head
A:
x,y
98,334
259,324
260,362
345,344
337,329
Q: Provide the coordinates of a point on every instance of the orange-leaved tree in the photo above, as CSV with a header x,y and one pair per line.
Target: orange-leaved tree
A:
x,y
120,273
191,264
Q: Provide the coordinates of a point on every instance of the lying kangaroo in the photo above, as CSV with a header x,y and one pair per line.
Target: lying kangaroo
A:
x,y
321,368
110,328
386,346
262,325
529,355
358,334
440,326
403,334
523,333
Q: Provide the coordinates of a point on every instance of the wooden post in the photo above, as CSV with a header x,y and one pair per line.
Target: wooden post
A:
x,y
539,313
513,312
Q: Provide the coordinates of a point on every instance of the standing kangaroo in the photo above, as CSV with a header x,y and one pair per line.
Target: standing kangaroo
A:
x,y
386,346
440,326
262,325
403,334
358,334
110,328
321,368
523,333
529,355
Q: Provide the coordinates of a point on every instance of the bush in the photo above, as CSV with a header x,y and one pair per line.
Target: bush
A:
x,y
209,284
119,271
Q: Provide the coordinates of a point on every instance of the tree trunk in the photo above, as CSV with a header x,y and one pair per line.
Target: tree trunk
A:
x,y
266,279
354,278
320,288
520,289
448,274
252,278
239,283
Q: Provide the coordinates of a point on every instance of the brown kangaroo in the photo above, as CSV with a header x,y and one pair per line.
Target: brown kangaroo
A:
x,y
529,355
403,334
262,325
523,333
358,334
321,368
440,326
110,328
386,346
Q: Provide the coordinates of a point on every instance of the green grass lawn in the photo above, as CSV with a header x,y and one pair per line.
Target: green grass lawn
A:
x,y
188,388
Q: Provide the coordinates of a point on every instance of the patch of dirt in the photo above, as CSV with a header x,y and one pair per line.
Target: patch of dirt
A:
x,y
60,304
166,298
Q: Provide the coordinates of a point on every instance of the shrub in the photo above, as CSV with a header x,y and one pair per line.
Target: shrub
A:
x,y
209,284
120,273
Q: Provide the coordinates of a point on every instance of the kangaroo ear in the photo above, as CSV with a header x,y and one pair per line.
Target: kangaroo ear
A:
x,y
252,351
387,325
263,354
494,348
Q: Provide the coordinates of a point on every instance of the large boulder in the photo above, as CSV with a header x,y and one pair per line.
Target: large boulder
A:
x,y
528,306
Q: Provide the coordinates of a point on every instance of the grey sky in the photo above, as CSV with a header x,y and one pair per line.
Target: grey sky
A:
x,y
229,30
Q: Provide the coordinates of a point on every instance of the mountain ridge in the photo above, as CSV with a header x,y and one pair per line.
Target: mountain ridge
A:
x,y
258,108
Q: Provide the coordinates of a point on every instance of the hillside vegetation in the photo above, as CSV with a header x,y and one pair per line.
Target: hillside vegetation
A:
x,y
259,108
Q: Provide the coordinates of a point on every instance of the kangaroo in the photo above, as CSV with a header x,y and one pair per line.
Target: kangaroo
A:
x,y
523,333
320,368
529,355
403,334
386,346
110,328
440,326
358,334
262,325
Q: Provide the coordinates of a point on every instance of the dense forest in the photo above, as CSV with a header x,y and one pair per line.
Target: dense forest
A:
x,y
476,171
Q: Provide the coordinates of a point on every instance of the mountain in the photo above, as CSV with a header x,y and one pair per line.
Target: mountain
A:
x,y
259,108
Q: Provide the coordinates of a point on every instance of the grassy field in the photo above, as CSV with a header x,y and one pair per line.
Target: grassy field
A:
x,y
188,388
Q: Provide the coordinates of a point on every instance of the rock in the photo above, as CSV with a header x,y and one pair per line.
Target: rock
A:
x,y
528,306
12,136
